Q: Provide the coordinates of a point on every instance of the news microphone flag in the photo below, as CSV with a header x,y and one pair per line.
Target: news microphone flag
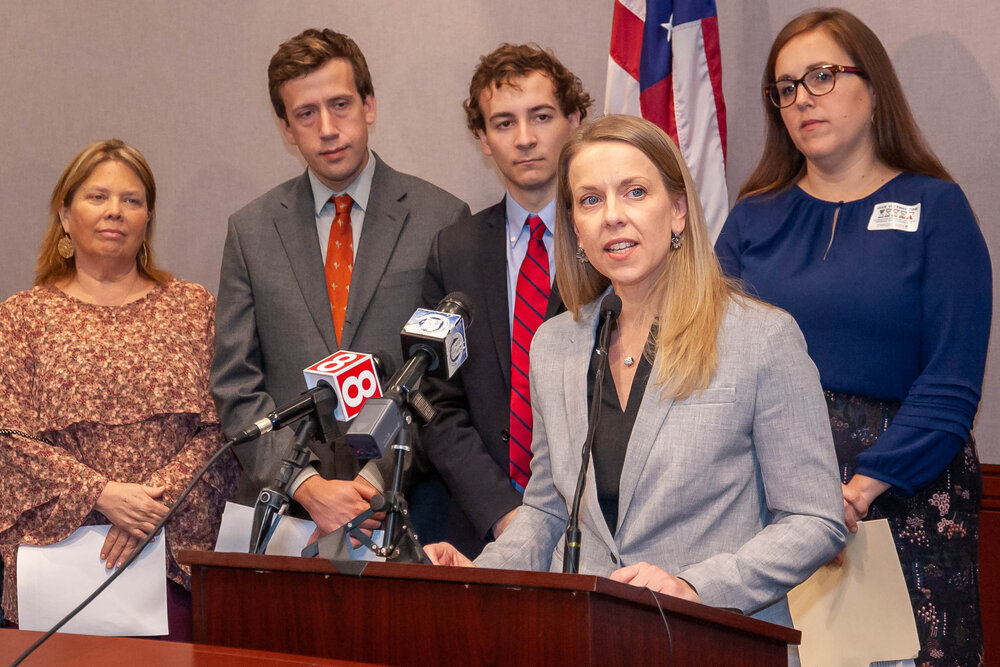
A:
x,y
440,333
665,66
352,376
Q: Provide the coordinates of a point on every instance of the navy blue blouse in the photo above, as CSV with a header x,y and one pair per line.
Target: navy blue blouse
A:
x,y
893,294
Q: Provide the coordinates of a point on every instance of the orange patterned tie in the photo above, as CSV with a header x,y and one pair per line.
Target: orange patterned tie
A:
x,y
340,261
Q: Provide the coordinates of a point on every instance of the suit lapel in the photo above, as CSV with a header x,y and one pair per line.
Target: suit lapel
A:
x,y
555,302
647,428
493,260
384,220
296,227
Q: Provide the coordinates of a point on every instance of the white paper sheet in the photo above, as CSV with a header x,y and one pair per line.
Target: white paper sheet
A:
x,y
859,612
290,536
52,580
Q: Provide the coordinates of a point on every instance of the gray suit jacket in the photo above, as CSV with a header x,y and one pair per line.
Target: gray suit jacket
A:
x,y
274,318
734,489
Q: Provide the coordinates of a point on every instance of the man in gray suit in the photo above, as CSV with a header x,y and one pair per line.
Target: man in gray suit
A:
x,y
285,300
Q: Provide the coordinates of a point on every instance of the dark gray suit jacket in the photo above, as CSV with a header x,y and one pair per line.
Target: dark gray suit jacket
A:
x,y
467,443
274,318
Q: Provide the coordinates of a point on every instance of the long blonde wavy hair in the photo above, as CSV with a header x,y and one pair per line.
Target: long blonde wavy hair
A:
x,y
690,294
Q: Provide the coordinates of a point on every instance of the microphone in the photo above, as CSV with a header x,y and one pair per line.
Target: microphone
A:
x,y
434,342
440,333
611,308
353,377
338,387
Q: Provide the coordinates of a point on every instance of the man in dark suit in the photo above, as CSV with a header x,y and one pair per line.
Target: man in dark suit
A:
x,y
523,104
306,271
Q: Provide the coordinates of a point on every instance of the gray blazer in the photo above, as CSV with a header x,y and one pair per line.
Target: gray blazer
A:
x,y
734,489
274,319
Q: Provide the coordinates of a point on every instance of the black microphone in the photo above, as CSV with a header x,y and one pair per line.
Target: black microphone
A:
x,y
434,343
439,333
284,415
611,307
334,372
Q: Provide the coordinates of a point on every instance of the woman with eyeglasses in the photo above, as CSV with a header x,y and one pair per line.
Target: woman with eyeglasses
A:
x,y
851,223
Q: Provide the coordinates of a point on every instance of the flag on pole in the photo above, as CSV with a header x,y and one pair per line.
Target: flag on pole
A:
x,y
665,66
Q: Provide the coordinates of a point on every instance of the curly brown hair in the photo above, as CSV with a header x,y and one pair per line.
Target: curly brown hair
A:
x,y
509,61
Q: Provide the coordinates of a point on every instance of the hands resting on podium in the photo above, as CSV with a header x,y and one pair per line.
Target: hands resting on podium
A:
x,y
642,575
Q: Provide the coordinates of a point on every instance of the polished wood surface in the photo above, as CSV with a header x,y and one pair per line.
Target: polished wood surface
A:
x,y
66,649
417,614
989,562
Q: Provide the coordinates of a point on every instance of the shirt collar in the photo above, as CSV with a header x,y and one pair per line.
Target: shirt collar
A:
x,y
517,214
359,189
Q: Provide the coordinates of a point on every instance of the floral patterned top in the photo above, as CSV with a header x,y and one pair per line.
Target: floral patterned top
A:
x,y
122,394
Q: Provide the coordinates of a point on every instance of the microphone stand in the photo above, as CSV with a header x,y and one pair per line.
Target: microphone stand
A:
x,y
273,500
403,403
400,542
571,550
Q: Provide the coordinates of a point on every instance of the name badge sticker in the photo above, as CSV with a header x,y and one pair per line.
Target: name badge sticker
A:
x,y
893,215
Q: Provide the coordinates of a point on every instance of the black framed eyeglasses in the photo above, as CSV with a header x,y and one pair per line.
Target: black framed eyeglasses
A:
x,y
817,81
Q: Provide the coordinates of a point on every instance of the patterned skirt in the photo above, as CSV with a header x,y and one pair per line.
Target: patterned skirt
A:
x,y
936,532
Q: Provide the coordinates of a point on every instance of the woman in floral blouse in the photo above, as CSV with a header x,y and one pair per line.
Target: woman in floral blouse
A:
x,y
106,362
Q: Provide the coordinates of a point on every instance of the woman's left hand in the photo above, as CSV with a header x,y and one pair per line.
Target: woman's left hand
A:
x,y
117,547
649,576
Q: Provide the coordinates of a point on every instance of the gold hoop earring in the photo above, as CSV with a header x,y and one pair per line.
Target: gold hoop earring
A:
x,y
65,247
143,256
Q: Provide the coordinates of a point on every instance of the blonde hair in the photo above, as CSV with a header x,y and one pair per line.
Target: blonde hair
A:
x,y
690,294
51,266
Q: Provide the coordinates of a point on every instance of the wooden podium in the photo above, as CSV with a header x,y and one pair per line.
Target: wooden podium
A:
x,y
402,614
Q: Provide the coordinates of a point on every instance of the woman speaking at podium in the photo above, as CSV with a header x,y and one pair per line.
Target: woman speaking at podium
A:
x,y
714,476
104,367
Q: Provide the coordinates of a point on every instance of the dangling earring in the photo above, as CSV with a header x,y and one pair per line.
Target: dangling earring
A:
x,y
676,240
143,256
65,247
581,256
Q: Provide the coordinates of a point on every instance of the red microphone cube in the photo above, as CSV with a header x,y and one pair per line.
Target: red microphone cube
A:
x,y
353,377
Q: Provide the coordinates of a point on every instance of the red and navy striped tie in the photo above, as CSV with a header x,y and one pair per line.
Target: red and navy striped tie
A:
x,y
533,287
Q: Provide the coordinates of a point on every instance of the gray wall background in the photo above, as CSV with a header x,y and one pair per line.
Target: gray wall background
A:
x,y
185,81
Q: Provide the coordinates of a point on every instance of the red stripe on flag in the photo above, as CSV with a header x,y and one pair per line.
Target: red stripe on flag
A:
x,y
713,55
626,40
657,104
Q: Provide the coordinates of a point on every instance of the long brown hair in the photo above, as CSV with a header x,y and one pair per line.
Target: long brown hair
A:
x,y
897,140
690,294
51,266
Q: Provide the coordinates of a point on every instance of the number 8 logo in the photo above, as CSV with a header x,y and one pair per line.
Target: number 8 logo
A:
x,y
359,388
337,361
